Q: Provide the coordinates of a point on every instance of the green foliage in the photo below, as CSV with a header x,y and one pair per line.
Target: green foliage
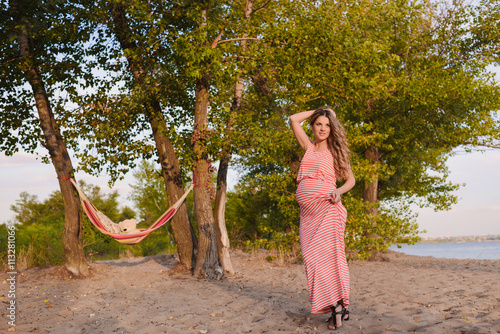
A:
x,y
411,79
57,35
115,114
148,192
30,211
395,224
267,216
254,221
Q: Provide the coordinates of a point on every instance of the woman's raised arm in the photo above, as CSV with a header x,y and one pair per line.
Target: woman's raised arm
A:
x,y
298,131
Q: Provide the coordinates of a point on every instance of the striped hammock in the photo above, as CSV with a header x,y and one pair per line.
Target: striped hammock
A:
x,y
108,227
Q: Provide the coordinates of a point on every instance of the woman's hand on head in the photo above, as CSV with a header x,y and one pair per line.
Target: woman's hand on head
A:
x,y
333,112
335,196
297,129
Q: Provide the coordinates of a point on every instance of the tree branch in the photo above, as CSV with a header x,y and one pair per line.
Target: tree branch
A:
x,y
497,146
216,40
239,39
261,7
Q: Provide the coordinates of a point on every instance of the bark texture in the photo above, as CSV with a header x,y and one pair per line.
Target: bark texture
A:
x,y
207,260
72,237
223,243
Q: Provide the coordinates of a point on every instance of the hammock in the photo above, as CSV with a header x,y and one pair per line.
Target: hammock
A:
x,y
108,227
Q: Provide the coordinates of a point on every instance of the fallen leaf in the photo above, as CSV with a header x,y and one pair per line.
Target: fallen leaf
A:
x,y
213,314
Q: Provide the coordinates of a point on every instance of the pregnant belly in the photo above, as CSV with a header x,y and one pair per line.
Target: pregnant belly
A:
x,y
311,191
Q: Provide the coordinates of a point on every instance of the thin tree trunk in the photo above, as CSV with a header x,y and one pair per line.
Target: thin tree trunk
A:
x,y
223,243
72,237
220,198
207,260
370,194
370,191
182,229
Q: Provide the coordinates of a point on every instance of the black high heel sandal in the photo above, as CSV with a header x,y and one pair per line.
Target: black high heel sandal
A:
x,y
345,314
343,311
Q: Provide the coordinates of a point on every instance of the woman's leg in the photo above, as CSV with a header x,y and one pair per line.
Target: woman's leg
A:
x,y
335,320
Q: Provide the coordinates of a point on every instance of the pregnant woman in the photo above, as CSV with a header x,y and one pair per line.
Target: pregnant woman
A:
x,y
322,215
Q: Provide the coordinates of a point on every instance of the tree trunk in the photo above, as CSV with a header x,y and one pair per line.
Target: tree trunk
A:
x,y
370,195
223,244
181,226
370,190
72,237
207,260
220,198
182,229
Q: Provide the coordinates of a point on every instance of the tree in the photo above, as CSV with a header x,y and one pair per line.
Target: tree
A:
x,y
119,125
226,152
165,51
186,241
412,84
207,261
433,94
41,46
219,68
248,18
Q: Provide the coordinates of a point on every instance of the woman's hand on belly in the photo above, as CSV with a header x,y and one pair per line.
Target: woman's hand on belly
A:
x,y
335,196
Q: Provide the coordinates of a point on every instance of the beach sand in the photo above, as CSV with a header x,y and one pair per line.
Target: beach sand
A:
x,y
400,293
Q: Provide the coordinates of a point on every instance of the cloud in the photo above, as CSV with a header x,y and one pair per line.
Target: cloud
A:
x,y
21,159
493,207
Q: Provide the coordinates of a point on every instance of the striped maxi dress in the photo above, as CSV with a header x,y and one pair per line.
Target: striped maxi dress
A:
x,y
322,226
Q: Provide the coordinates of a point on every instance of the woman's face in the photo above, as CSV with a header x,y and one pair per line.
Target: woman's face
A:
x,y
321,128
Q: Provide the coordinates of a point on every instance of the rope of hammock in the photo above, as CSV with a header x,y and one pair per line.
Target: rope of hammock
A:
x,y
108,227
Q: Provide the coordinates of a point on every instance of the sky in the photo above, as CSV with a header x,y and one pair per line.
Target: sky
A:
x,y
477,211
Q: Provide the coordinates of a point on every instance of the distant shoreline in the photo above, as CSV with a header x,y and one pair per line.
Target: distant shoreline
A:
x,y
477,238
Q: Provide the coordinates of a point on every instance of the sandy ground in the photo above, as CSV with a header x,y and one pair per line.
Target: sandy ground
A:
x,y
402,294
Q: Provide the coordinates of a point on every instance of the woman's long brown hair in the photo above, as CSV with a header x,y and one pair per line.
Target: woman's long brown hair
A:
x,y
337,143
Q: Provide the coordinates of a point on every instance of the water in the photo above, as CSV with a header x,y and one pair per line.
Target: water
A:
x,y
487,250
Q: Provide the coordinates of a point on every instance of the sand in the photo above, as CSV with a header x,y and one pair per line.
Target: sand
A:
x,y
401,293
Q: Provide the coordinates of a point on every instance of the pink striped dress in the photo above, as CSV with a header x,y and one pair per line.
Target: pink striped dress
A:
x,y
322,226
